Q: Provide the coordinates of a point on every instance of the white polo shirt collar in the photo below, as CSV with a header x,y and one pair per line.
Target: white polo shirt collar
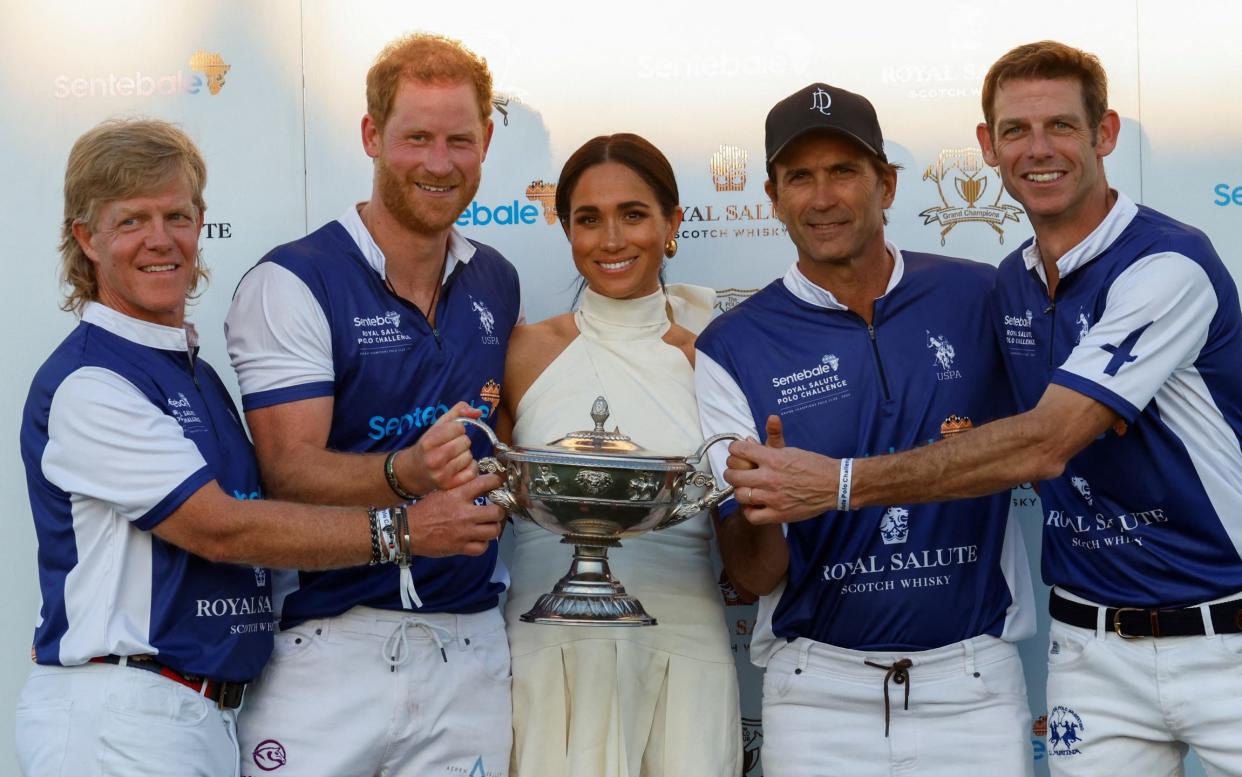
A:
x,y
1104,235
806,290
165,338
459,248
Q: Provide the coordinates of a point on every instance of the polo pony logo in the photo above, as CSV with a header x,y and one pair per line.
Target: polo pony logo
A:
x,y
944,350
486,320
1064,731
1084,325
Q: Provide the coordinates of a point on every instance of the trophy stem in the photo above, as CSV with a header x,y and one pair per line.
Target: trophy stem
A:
x,y
588,595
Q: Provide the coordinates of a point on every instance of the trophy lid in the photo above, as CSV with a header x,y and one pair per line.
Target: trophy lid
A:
x,y
597,440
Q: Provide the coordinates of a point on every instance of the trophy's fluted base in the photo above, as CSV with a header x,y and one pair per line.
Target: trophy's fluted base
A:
x,y
589,595
577,610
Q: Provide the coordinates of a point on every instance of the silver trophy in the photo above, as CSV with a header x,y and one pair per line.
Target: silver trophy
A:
x,y
596,488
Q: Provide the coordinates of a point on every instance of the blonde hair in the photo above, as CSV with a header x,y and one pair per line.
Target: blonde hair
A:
x,y
427,58
115,160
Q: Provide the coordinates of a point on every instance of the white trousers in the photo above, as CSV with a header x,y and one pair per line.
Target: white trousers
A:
x,y
823,713
1133,707
376,692
104,720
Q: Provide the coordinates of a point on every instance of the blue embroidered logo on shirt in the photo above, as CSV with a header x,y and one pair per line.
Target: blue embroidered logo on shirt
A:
x,y
1122,353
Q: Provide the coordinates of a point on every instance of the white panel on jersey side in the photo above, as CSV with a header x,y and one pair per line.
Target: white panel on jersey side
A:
x,y
107,602
1186,407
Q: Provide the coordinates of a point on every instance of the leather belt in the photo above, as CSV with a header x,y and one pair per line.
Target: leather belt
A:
x,y
1136,622
226,695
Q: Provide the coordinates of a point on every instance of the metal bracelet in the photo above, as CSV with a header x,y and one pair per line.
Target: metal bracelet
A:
x,y
391,477
401,522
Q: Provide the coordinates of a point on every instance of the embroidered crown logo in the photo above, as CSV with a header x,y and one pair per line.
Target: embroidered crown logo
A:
x,y
955,424
490,393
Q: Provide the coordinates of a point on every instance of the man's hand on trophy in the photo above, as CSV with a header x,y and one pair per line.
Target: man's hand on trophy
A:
x,y
441,458
450,522
775,484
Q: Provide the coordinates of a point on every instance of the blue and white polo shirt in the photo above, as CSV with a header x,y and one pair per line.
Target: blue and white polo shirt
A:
x,y
1146,321
123,423
315,318
899,577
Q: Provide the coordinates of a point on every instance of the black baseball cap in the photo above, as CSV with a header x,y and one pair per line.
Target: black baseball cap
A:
x,y
819,108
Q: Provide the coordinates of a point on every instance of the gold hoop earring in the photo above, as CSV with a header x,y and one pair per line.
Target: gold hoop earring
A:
x,y
670,247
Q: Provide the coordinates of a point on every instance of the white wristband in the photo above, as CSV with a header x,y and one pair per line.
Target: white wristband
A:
x,y
387,535
843,488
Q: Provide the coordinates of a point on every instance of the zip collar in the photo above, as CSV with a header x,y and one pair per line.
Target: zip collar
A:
x,y
813,294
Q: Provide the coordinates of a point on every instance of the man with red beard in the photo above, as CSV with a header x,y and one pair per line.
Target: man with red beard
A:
x,y
349,345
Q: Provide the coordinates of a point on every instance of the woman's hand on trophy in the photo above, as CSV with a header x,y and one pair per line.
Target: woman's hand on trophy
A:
x,y
776,484
441,458
452,522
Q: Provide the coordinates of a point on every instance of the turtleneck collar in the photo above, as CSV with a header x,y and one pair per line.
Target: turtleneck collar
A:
x,y
605,318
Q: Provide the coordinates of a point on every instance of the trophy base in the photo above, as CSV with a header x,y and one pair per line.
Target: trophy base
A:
x,y
577,610
589,595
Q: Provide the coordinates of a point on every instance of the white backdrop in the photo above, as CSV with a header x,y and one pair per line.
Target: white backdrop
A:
x,y
281,137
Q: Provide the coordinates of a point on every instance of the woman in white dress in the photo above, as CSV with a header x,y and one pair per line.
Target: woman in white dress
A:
x,y
599,701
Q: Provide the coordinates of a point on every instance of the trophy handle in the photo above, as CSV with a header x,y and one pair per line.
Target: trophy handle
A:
x,y
709,442
687,510
491,436
501,496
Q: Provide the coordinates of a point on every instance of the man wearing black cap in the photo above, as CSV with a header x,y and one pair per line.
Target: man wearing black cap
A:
x,y
888,632
1122,335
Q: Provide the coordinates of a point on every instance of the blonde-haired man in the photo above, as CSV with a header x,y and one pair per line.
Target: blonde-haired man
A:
x,y
157,605
349,344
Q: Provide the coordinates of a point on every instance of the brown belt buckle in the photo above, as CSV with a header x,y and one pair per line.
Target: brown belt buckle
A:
x,y
230,695
1117,622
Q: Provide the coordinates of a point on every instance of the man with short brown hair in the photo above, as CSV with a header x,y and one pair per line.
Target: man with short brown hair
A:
x,y
1122,336
349,344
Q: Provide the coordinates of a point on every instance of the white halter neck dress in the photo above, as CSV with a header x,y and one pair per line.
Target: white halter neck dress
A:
x,y
658,701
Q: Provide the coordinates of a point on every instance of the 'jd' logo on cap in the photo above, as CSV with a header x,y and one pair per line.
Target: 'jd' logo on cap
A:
x,y
820,101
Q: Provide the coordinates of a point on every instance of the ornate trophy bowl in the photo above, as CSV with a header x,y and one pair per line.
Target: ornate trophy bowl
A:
x,y
596,488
